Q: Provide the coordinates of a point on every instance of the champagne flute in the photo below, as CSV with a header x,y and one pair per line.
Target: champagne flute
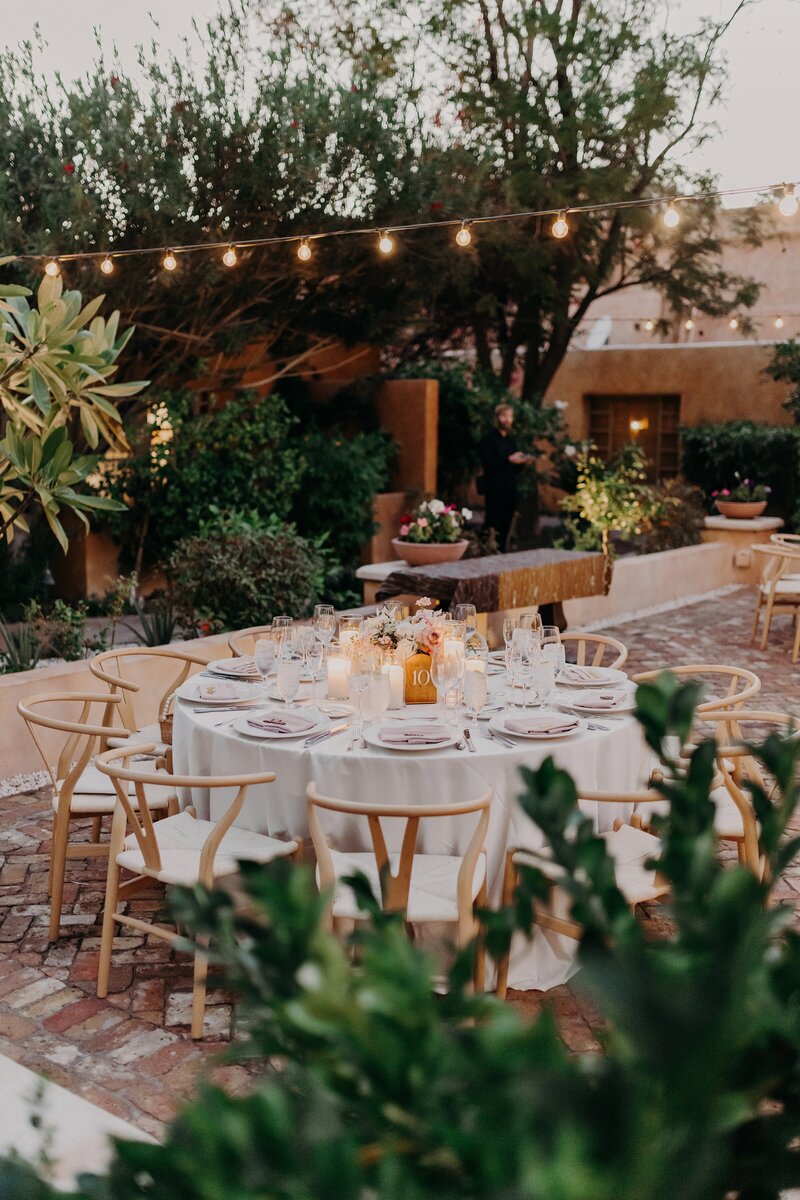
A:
x,y
359,682
315,661
280,628
509,625
324,623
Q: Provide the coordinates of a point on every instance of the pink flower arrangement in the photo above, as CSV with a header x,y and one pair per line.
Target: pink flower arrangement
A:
x,y
434,521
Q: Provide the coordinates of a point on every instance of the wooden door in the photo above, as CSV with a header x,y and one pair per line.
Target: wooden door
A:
x,y
650,421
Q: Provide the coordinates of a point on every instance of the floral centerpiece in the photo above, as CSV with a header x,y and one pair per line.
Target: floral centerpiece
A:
x,y
432,533
413,641
746,499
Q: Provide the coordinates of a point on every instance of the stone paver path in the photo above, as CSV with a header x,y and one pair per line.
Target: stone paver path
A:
x,y
131,1053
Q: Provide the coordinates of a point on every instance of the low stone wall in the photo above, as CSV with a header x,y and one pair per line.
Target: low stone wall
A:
x,y
648,580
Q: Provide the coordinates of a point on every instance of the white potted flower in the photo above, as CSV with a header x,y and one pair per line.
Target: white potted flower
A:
x,y
432,534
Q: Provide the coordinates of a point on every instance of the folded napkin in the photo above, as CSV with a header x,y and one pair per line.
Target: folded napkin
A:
x,y
414,735
281,722
552,723
572,673
601,699
210,689
237,666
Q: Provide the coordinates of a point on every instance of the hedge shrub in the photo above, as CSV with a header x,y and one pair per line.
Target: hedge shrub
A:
x,y
770,454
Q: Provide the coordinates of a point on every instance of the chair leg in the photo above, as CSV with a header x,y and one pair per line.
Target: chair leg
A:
x,y
481,901
118,826
199,988
767,623
796,650
509,882
97,828
755,618
59,866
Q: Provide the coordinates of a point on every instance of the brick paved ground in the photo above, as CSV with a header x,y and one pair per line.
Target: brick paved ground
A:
x,y
131,1053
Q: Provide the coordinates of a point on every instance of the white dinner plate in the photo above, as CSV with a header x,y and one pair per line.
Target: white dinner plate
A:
x,y
243,693
582,703
498,724
372,739
606,677
270,735
227,666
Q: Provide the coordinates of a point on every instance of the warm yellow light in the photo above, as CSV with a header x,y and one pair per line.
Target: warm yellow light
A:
x,y
637,426
788,204
169,262
304,251
107,265
560,226
734,323
649,326
52,268
779,322
229,257
689,324
672,217
464,237
385,244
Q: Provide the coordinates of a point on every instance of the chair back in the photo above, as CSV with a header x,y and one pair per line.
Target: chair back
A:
x,y
138,673
395,887
589,649
790,540
780,559
739,685
243,641
114,763
78,737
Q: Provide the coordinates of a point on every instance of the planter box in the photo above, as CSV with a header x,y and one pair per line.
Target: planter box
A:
x,y
647,580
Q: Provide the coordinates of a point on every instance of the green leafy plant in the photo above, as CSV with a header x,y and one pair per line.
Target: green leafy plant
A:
x,y
23,647
235,581
784,367
679,521
610,498
744,491
714,452
159,622
55,365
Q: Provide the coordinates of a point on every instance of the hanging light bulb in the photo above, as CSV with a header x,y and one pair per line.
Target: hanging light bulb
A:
x,y
107,265
169,262
649,326
385,244
689,324
560,225
52,268
672,217
464,237
734,323
304,251
229,257
788,204
779,322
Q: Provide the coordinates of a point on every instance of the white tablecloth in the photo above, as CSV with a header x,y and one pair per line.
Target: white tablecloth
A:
x,y
615,759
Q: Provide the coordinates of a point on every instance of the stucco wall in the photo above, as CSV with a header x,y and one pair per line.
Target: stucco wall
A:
x,y
714,382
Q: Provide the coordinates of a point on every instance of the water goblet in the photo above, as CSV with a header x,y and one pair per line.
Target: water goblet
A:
x,y
543,678
474,693
376,697
264,658
315,662
552,649
324,623
288,676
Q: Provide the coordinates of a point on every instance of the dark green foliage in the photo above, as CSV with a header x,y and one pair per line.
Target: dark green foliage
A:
x,y
22,647
236,454
768,454
679,521
375,1086
244,579
60,629
784,367
158,621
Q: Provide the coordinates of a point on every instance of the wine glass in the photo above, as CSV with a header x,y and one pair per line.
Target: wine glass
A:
x,y
315,662
324,623
543,679
531,619
469,615
289,667
303,639
474,693
394,610
264,658
509,625
551,647
280,628
359,682
516,667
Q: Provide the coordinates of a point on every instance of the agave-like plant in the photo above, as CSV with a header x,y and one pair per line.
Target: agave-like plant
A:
x,y
56,361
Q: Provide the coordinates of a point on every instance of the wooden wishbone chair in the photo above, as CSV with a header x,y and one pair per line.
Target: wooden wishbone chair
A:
x,y
630,847
243,641
119,669
740,683
180,850
80,793
590,648
779,591
423,887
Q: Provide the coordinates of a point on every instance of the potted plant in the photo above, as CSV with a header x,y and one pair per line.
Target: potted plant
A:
x,y
745,501
432,533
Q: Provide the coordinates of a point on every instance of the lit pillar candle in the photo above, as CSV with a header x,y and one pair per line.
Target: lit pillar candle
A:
x,y
397,684
338,677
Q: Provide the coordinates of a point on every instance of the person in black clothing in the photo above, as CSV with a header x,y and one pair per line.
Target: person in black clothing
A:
x,y
502,461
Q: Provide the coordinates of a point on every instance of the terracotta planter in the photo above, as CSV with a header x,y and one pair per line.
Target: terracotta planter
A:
x,y
741,510
422,554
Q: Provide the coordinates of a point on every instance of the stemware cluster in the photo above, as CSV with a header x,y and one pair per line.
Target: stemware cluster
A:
x,y
534,658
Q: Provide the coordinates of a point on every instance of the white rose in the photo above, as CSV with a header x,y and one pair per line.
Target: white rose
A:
x,y
466,514
570,451
436,507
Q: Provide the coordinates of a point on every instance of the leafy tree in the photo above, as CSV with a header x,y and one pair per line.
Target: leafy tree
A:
x,y
784,367
55,365
610,498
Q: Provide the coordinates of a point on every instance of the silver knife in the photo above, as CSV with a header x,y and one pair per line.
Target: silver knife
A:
x,y
326,733
469,741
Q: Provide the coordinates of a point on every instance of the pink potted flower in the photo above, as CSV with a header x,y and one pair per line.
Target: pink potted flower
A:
x,y
432,533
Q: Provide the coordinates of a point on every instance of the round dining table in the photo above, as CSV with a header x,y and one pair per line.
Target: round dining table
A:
x,y
611,756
